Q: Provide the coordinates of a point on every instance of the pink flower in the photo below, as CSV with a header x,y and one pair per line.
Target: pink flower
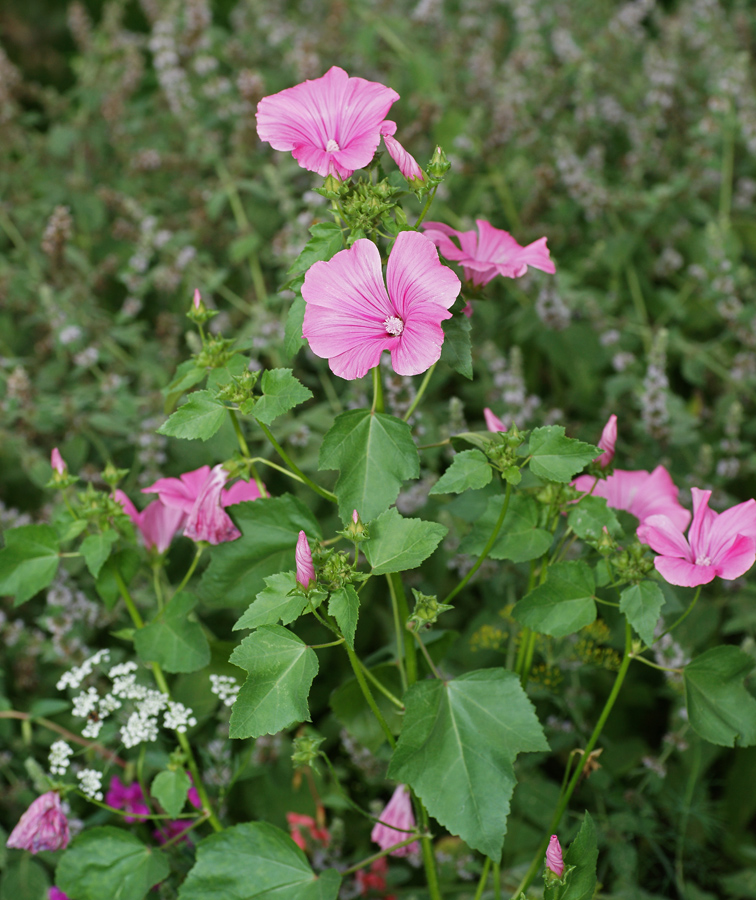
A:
x,y
407,163
171,828
722,544
350,318
640,493
493,422
554,856
156,523
56,894
301,825
42,827
332,124
197,299
200,495
128,797
373,879
398,813
57,462
306,577
490,252
608,442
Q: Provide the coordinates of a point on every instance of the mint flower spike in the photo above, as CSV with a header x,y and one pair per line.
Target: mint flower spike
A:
x,y
42,827
306,577
554,859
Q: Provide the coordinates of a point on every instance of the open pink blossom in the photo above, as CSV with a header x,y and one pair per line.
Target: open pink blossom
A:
x,y
306,577
350,317
489,252
608,442
397,813
493,422
640,493
331,125
407,163
722,544
554,856
156,523
42,827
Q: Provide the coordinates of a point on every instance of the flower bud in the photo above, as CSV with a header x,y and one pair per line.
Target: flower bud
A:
x,y
554,856
356,531
306,577
198,312
426,612
57,462
439,164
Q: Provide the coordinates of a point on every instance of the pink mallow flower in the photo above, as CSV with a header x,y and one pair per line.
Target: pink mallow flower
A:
x,y
608,442
306,577
301,826
332,125
722,544
42,827
128,797
350,317
489,252
156,523
493,422
200,495
554,856
640,493
398,813
54,893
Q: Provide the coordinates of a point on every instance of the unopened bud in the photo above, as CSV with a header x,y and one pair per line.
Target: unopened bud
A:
x,y
426,612
306,749
198,312
554,856
306,578
111,475
356,531
57,462
439,164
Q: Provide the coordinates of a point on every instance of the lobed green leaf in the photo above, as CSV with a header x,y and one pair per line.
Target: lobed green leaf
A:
x,y
397,544
197,419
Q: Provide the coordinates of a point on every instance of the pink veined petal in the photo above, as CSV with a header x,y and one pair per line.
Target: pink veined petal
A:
x,y
661,535
305,569
415,275
537,255
494,423
737,558
740,519
554,858
207,521
357,362
702,524
398,813
128,507
608,442
240,491
441,236
658,496
159,524
683,573
494,244
419,347
407,163
180,492
315,159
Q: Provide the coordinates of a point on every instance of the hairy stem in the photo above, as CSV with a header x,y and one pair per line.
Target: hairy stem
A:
x,y
365,688
290,463
410,655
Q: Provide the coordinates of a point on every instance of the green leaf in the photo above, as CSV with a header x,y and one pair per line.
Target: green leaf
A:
x,y
281,668
469,470
720,709
126,562
187,375
170,788
197,419
270,527
563,604
556,457
96,549
293,339
28,561
172,640
280,601
519,539
374,454
281,392
344,606
457,348
397,544
583,855
109,862
590,517
350,707
255,861
326,241
24,879
642,604
456,750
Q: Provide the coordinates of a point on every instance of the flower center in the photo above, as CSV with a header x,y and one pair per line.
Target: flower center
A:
x,y
703,561
332,146
394,325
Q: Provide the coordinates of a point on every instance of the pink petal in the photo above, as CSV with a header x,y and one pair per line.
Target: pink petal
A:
x,y
306,577
416,276
180,492
537,255
419,347
207,521
398,812
658,497
683,573
441,236
57,462
736,559
128,507
240,491
608,442
159,525
554,859
703,520
737,520
494,423
407,163
661,535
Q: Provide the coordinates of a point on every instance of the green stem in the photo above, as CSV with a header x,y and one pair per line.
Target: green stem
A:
x,y
156,566
427,206
399,632
420,392
382,688
371,859
483,879
377,390
427,656
329,644
364,687
64,732
487,548
410,654
182,834
682,617
246,454
497,881
562,806
272,465
190,570
356,807
528,661
289,462
687,801
728,166
656,666
429,859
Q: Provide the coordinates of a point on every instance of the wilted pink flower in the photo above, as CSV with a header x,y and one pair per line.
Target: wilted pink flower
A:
x,y
398,813
301,825
407,163
722,544
608,442
305,569
350,318
42,827
489,252
54,893
332,124
156,523
554,856
128,797
57,462
493,422
640,493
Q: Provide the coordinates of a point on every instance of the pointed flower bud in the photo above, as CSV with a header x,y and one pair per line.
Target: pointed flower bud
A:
x,y
356,530
608,442
554,856
305,569
493,422
42,827
398,813
439,164
57,462
197,299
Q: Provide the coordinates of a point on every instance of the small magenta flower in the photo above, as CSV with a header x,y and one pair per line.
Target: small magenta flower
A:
x,y
332,125
554,856
493,422
397,813
351,317
608,442
157,524
306,577
128,797
57,462
42,827
54,893
718,544
489,252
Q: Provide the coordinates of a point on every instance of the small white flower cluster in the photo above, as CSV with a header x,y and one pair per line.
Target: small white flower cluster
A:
x,y
226,687
178,717
90,782
74,678
59,758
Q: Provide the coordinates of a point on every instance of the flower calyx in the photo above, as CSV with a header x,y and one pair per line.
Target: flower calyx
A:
x,y
198,312
356,531
239,391
426,612
306,749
